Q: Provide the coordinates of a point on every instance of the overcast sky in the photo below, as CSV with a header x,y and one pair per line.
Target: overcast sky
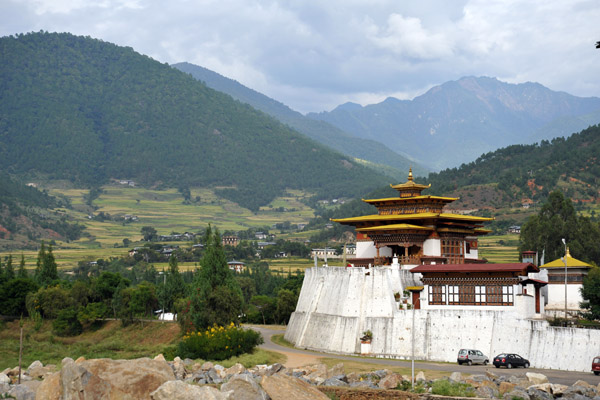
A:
x,y
315,55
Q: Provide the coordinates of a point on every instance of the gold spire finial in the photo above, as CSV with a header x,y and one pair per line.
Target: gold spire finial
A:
x,y
410,177
568,252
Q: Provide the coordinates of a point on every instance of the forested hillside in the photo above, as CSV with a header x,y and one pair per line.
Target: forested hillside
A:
x,y
366,149
533,171
81,109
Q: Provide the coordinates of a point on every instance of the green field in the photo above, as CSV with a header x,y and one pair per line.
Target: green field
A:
x,y
500,248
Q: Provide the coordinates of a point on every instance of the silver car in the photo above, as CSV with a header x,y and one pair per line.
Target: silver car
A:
x,y
471,356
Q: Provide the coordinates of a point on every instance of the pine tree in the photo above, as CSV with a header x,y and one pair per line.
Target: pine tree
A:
x,y
22,273
217,297
9,271
46,269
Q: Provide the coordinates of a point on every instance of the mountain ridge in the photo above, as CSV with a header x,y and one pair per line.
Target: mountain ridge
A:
x,y
456,121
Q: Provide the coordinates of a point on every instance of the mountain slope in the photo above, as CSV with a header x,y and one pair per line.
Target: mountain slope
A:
x,y
321,131
81,109
459,120
531,171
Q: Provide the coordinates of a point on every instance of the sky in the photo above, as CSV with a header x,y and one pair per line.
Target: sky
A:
x,y
315,55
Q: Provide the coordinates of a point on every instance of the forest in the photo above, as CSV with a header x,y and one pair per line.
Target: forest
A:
x,y
90,111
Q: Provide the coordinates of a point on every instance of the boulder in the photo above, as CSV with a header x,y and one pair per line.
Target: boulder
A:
x,y
105,378
243,387
487,392
536,378
160,357
33,365
66,360
491,376
582,383
236,369
558,389
21,392
390,381
456,376
4,378
516,393
420,376
536,394
182,391
283,387
178,368
546,387
207,365
50,388
337,369
334,382
505,387
38,371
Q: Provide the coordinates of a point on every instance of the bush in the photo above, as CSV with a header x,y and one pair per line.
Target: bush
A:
x,y
455,389
218,343
66,323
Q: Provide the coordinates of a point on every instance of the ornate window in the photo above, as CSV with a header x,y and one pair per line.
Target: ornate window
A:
x,y
437,294
452,249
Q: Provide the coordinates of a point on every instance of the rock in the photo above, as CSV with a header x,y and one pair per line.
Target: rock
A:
x,y
391,381
558,389
537,394
4,388
536,378
380,373
337,369
35,364
207,365
213,376
334,382
50,388
22,392
275,368
178,368
546,387
160,357
38,371
66,360
243,387
487,392
492,376
119,378
283,387
582,383
80,360
456,376
505,387
4,378
182,391
420,376
367,383
516,394
236,369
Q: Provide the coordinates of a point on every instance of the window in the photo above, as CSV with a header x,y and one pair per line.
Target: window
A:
x,y
453,294
500,295
452,249
479,295
437,294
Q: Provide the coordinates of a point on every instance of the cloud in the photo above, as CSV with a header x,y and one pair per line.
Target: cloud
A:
x,y
315,55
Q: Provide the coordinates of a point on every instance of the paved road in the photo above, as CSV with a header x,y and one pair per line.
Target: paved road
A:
x,y
554,376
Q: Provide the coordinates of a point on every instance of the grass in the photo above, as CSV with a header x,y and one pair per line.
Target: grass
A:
x,y
108,339
499,248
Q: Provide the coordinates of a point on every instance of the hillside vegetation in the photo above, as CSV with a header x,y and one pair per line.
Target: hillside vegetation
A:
x,y
85,110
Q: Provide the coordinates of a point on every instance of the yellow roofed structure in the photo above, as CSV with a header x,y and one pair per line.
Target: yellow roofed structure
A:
x,y
571,263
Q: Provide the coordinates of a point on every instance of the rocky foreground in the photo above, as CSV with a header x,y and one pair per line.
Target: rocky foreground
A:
x,y
158,379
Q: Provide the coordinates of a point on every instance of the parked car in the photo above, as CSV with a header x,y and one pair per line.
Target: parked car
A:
x,y
510,360
596,365
470,356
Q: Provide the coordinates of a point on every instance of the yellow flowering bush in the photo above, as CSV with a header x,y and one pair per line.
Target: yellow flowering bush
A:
x,y
218,342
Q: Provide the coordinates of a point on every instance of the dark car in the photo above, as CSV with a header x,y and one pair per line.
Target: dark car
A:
x,y
596,365
510,360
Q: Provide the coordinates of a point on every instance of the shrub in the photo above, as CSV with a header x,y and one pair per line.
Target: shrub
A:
x,y
218,343
455,389
66,323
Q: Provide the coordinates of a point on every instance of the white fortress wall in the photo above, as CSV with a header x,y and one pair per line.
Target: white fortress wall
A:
x,y
337,305
556,296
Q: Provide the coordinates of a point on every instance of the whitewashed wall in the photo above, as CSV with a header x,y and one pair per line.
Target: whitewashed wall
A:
x,y
336,305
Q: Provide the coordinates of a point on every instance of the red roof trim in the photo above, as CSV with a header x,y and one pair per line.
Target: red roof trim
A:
x,y
512,267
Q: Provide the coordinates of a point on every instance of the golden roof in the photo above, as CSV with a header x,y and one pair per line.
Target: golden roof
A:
x,y
571,262
409,184
405,199
394,227
400,217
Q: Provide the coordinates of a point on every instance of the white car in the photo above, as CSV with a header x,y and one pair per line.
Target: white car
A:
x,y
471,356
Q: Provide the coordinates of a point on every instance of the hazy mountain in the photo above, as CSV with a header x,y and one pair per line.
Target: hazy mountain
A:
x,y
458,121
85,110
323,132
